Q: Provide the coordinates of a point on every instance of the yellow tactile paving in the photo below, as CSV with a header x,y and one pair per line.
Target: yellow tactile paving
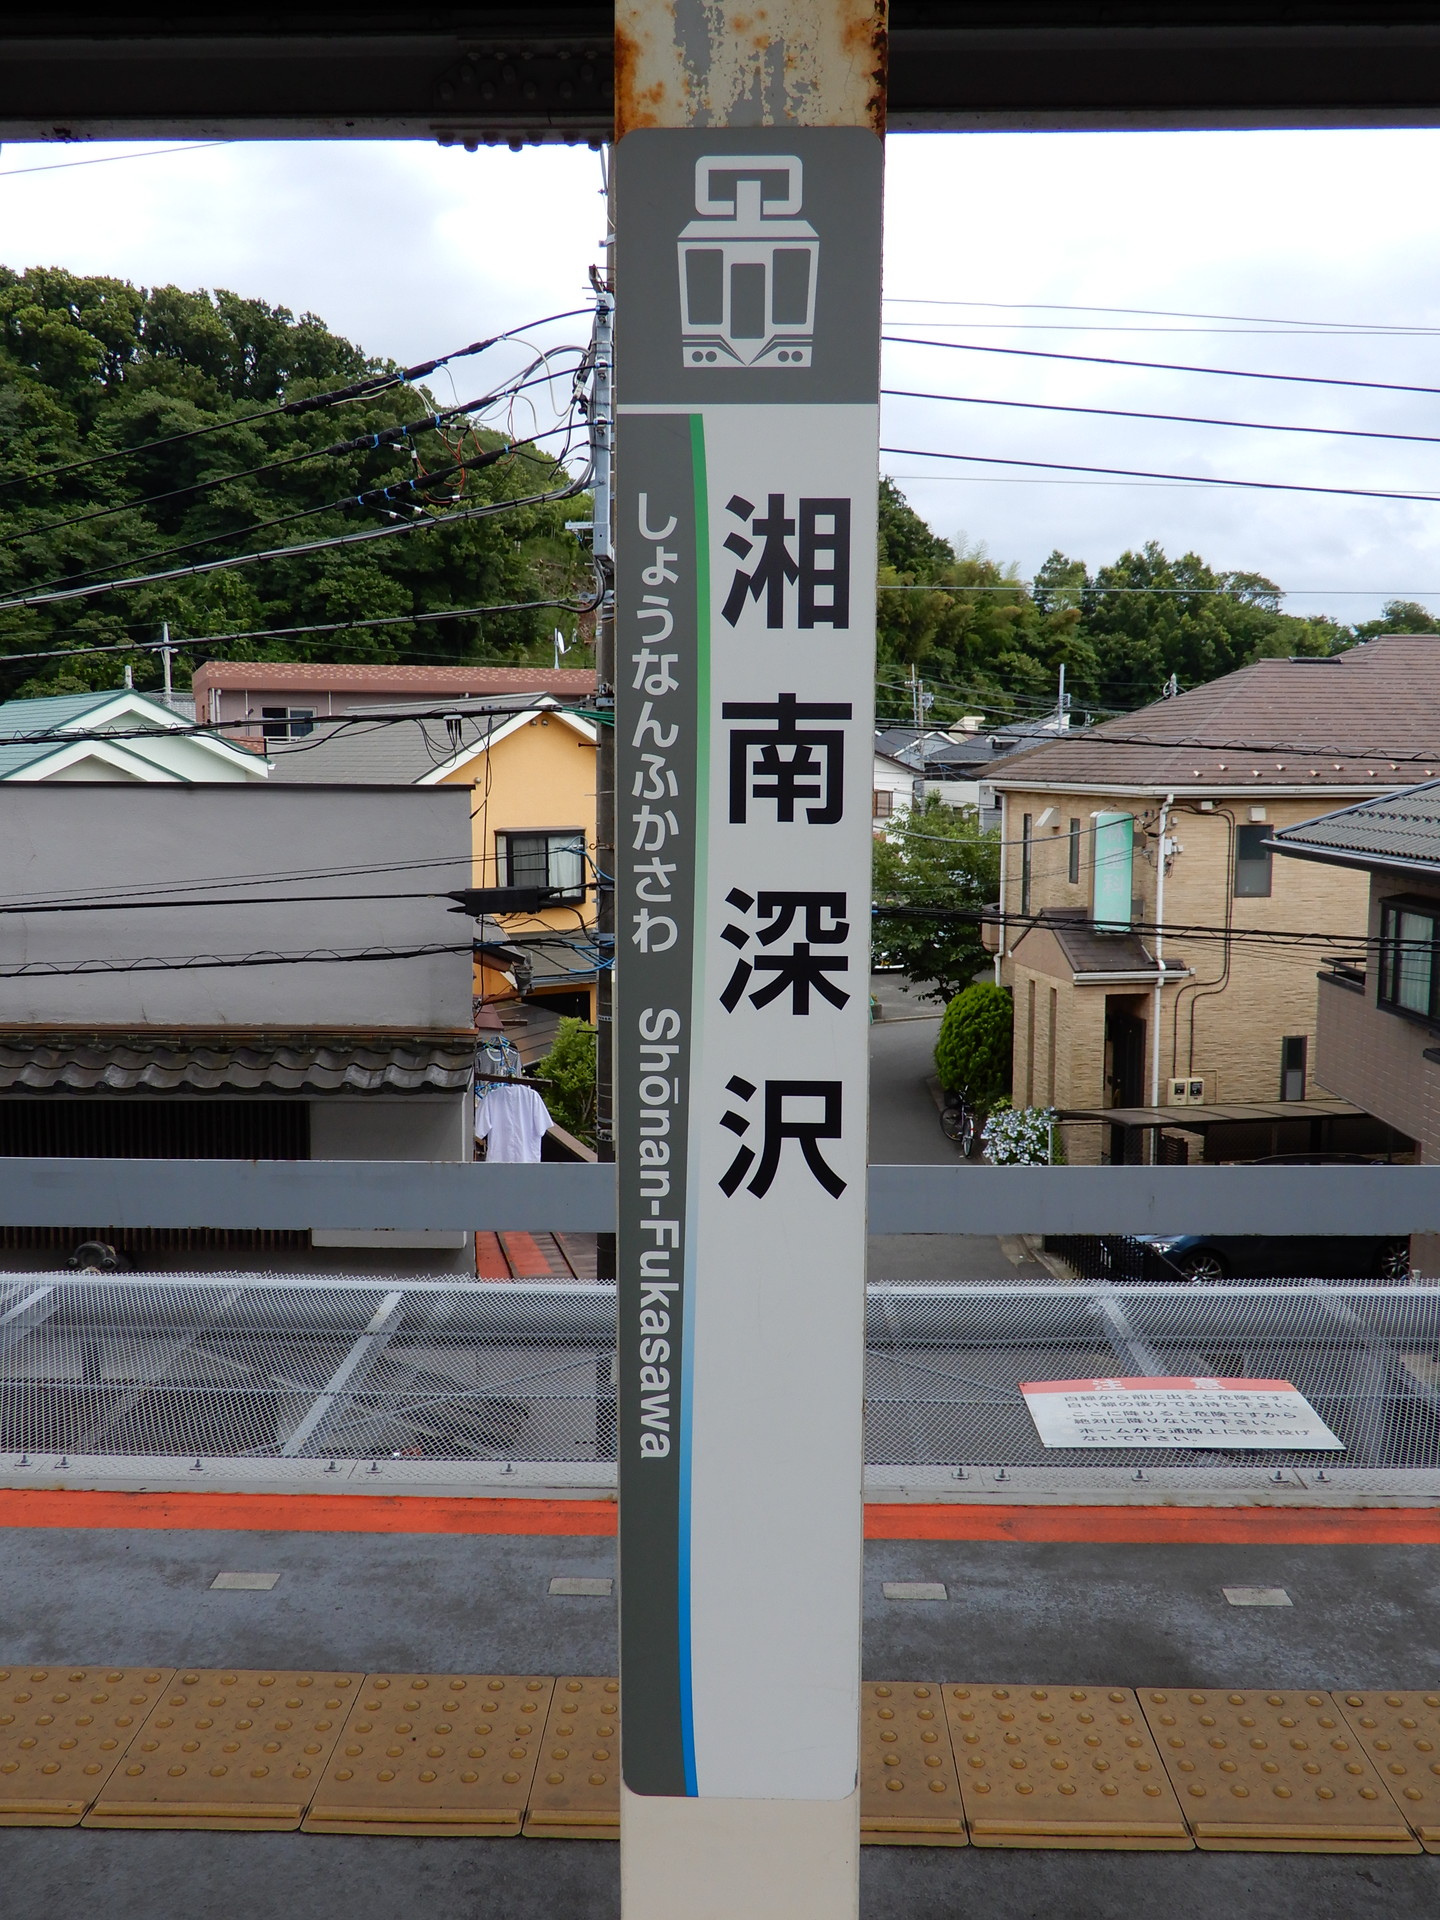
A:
x,y
434,1753
1061,1767
1272,1772
1401,1734
576,1795
62,1731
229,1749
908,1795
1255,1770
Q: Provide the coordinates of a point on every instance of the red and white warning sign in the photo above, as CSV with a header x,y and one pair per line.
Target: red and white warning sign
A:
x,y
1181,1412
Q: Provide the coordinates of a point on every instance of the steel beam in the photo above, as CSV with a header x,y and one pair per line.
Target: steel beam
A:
x,y
406,1194
544,72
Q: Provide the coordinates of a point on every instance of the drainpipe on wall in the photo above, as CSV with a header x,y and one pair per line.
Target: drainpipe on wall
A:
x,y
1159,947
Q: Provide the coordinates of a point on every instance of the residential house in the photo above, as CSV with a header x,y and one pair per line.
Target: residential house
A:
x,y
894,785
527,768
115,737
240,971
1377,1032
263,700
1143,914
956,764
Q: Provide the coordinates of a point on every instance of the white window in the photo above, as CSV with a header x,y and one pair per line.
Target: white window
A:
x,y
553,859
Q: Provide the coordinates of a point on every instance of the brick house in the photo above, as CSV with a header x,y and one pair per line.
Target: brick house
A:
x,y
1139,885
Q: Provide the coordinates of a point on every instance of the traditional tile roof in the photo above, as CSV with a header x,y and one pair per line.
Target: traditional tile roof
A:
x,y
1354,720
1400,830
130,1063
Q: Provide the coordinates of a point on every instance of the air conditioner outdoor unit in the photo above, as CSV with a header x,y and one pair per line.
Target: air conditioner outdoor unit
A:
x,y
1189,1092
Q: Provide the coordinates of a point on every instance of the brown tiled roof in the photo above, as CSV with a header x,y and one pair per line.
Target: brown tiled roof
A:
x,y
348,677
1340,722
174,1063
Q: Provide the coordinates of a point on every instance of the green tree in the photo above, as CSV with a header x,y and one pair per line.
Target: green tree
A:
x,y
935,857
972,1053
92,367
1146,617
570,1068
966,623
1399,616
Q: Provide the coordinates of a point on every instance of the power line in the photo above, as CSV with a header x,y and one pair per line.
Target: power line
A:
x,y
1254,936
1140,473
179,963
1090,586
441,709
364,443
1342,758
1258,332
329,626
1164,313
374,497
108,159
298,551
275,876
132,903
361,389
1182,419
1158,366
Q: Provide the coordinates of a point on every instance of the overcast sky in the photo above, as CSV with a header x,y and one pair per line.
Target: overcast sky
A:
x,y
410,249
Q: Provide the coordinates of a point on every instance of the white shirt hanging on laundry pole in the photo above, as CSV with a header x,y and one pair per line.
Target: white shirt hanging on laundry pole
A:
x,y
512,1120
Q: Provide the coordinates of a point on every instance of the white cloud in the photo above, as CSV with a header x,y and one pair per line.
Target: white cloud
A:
x,y
411,249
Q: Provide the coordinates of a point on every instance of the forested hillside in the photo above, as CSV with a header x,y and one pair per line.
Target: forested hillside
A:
x,y
103,473
92,368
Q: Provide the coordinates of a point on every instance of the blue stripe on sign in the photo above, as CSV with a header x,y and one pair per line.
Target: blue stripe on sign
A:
x,y
702,815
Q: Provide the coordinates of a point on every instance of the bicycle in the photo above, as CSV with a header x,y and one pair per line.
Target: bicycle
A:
x,y
960,1123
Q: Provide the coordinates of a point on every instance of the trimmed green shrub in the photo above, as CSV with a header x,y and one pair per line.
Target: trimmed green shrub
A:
x,y
972,1054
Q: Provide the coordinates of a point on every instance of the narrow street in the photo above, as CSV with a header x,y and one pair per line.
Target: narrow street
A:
x,y
905,1129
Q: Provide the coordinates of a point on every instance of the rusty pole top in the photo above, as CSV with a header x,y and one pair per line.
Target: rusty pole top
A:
x,y
803,63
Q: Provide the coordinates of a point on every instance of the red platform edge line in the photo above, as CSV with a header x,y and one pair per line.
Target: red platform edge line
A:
x,y
420,1514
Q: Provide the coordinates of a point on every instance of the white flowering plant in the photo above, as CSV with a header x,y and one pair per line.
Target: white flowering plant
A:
x,y
1021,1136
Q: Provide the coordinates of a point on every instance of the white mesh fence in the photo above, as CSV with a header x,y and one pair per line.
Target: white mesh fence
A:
x,y
271,1367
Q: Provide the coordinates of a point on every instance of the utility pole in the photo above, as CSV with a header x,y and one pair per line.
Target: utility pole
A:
x,y
165,652
602,442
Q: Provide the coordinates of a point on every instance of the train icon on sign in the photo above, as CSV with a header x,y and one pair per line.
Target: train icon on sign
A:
x,y
747,265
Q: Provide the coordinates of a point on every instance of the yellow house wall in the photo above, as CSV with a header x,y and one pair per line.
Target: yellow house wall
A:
x,y
540,778
1269,992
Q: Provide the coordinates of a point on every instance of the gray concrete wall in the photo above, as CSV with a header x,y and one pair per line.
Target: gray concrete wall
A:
x,y
131,844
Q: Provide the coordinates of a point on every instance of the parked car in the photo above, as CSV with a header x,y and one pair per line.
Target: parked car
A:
x,y
1207,1257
